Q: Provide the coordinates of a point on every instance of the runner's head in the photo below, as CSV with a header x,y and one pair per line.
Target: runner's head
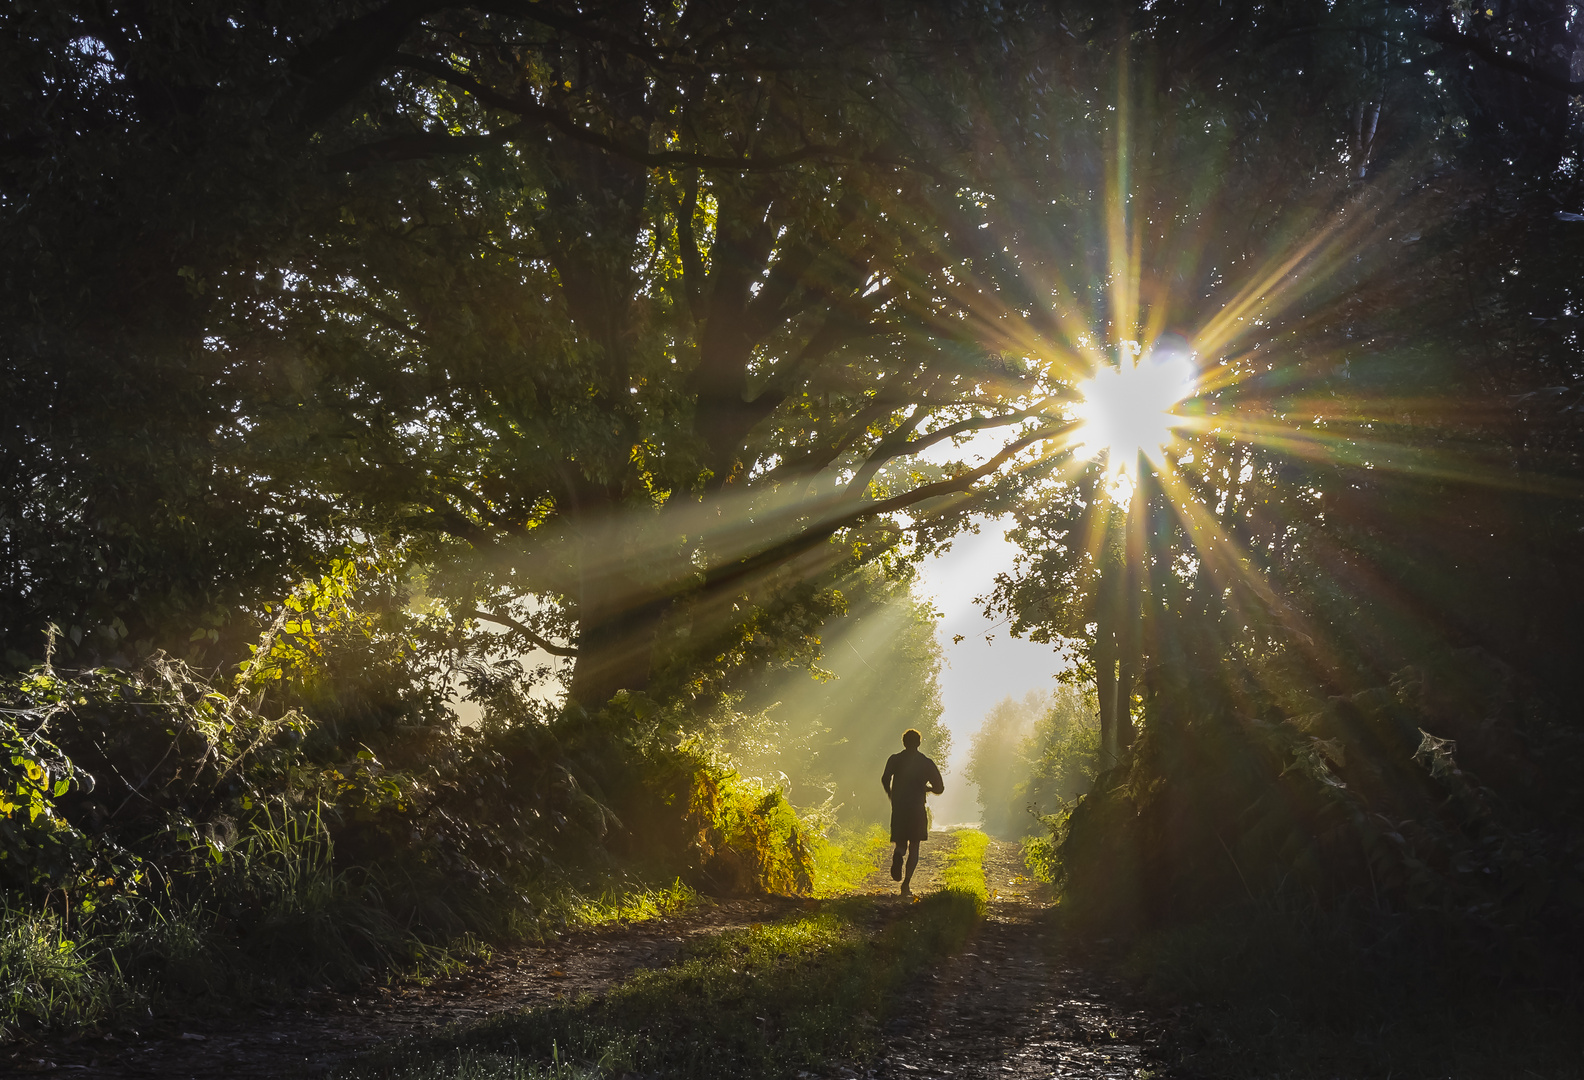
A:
x,y
911,738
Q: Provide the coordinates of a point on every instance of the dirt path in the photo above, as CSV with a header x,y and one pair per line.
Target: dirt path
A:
x,y
1006,1006
1009,1005
321,1031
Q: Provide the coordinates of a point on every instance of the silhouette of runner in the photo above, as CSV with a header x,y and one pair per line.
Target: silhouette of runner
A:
x,y
907,777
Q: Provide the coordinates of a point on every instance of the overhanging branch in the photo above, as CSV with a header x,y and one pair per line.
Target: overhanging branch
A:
x,y
847,513
510,623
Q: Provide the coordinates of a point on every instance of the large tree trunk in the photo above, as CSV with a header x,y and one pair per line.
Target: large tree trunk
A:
x,y
616,636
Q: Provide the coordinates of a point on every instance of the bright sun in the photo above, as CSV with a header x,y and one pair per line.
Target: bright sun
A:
x,y
1128,410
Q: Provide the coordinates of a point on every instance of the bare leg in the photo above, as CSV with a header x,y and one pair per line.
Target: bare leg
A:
x,y
912,865
896,860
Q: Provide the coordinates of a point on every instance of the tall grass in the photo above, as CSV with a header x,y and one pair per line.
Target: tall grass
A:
x,y
615,905
46,978
845,858
268,914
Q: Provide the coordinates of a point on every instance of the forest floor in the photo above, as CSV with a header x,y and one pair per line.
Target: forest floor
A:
x,y
1014,1002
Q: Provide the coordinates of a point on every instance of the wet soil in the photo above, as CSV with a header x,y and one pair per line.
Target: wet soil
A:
x,y
1014,1003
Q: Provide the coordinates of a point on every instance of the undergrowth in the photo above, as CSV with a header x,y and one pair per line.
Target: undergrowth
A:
x,y
43,974
616,905
172,842
1381,883
767,1001
845,858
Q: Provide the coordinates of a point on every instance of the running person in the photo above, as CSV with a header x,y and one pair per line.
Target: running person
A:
x,y
907,777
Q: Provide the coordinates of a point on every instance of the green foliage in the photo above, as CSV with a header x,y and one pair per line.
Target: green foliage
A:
x,y
1032,758
235,848
45,978
996,761
747,838
1436,795
1063,756
615,383
846,857
40,850
622,906
1293,991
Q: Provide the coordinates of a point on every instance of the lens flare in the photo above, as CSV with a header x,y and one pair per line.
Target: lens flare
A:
x,y
1129,410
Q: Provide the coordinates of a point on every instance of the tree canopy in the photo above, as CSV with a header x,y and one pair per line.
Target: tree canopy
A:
x,y
606,346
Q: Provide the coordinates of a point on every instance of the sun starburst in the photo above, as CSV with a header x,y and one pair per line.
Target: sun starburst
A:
x,y
1128,411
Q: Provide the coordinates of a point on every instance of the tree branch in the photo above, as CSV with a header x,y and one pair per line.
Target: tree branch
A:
x,y
346,59
512,624
849,514
907,448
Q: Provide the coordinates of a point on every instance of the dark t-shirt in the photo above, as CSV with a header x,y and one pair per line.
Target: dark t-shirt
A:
x,y
911,774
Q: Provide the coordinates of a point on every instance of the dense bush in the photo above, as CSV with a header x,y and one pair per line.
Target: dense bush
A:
x,y
1449,795
167,835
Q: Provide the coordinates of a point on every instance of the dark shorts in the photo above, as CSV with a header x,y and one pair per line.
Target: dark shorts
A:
x,y
909,822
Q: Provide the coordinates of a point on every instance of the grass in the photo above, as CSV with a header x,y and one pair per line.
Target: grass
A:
x,y
307,924
964,870
767,1001
617,905
845,859
623,900
44,977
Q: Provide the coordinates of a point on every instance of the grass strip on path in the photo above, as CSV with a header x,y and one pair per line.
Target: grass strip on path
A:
x,y
964,871
766,1001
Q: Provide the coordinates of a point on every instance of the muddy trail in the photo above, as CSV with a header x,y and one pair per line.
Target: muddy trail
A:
x,y
1013,1003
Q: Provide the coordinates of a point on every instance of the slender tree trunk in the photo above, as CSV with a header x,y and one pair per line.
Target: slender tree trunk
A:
x,y
1105,690
1130,606
1127,677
